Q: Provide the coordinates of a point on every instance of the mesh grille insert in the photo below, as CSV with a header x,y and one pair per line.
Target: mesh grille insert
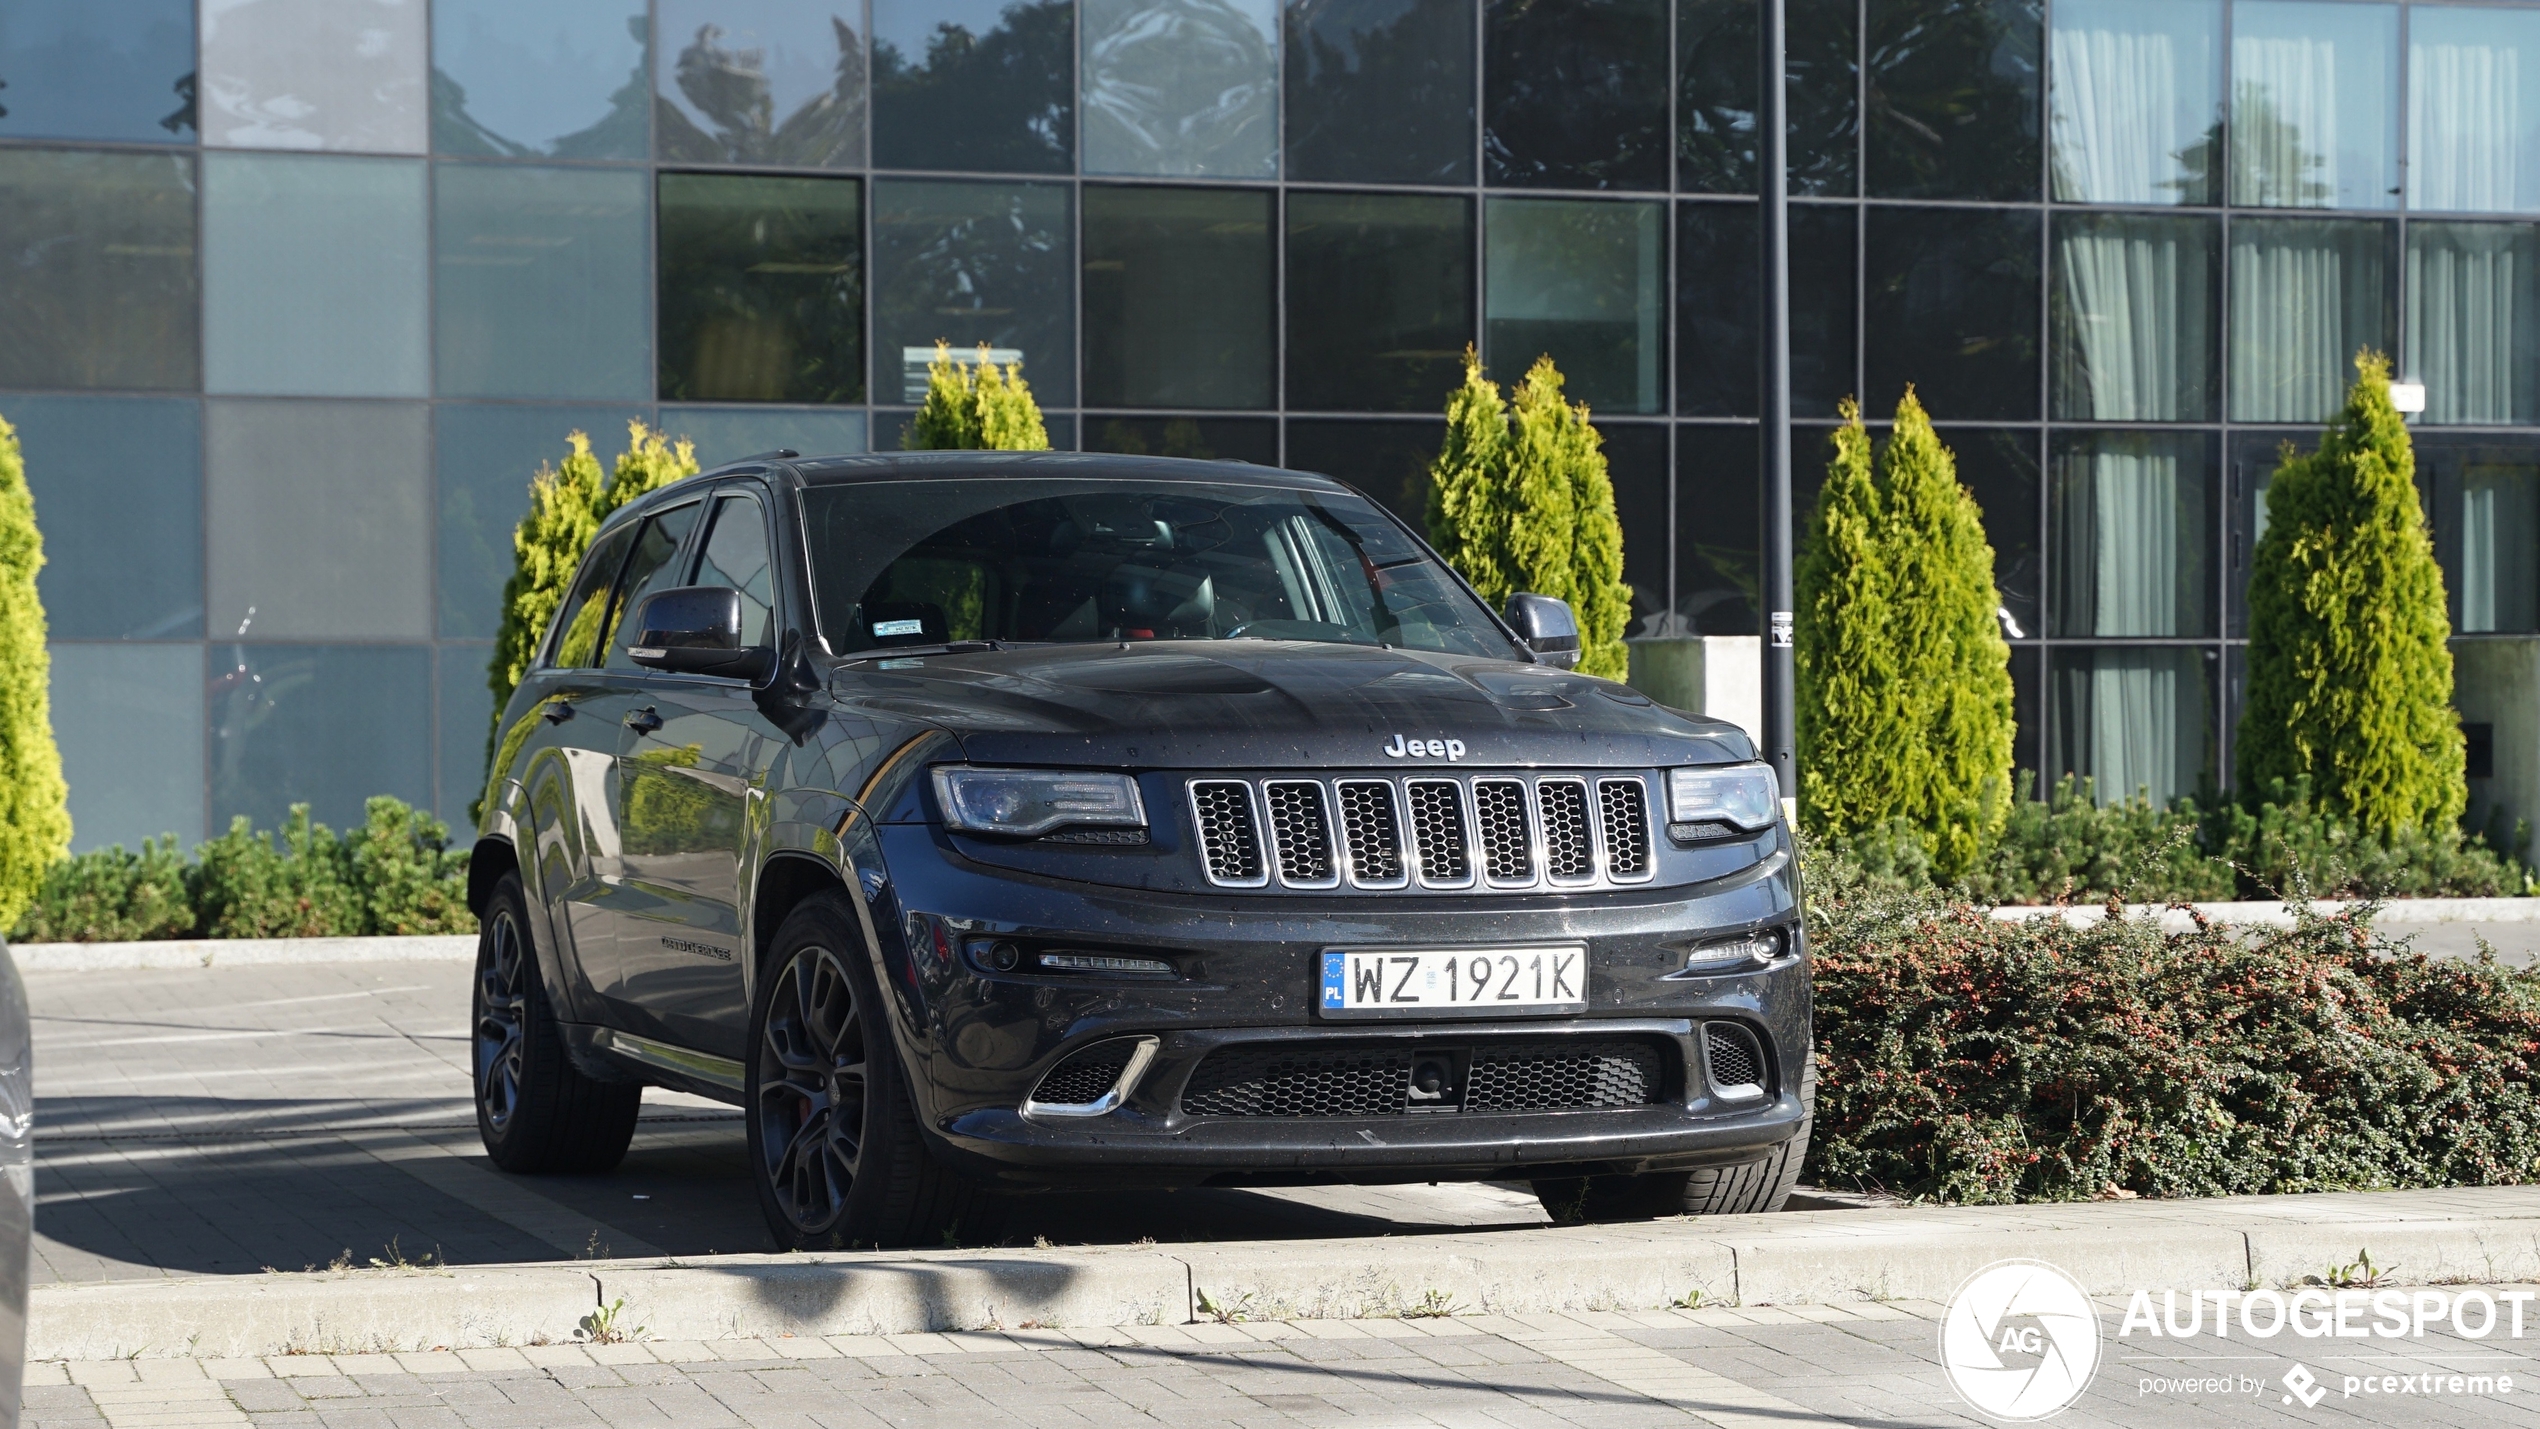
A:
x,y
1437,828
1546,1074
1568,854
1736,1060
1277,1081
1499,806
1086,1075
1625,806
1227,837
1562,1075
1374,834
1300,831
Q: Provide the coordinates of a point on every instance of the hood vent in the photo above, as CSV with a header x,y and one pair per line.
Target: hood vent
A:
x,y
1490,831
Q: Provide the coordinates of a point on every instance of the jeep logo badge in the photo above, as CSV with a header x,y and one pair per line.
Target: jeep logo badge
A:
x,y
1402,748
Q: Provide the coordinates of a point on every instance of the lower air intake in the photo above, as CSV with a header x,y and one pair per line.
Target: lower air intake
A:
x,y
1550,1074
1736,1058
1085,1076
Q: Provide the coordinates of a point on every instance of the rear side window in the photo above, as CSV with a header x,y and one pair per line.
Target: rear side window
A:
x,y
736,556
651,567
577,643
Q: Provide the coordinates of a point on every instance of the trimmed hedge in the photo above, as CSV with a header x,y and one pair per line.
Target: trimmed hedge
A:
x,y
1967,1060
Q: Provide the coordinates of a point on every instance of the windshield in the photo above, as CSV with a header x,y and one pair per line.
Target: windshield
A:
x,y
1051,560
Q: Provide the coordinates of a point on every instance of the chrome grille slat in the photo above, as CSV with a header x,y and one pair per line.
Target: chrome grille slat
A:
x,y
1229,833
1502,831
1301,833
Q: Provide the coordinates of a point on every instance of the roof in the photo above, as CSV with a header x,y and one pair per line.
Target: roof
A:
x,y
927,466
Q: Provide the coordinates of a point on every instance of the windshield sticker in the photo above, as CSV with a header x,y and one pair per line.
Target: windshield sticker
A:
x,y
885,629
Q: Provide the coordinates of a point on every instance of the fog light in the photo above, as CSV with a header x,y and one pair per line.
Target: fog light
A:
x,y
1747,950
1004,957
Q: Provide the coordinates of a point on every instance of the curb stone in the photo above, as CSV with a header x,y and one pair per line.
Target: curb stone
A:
x,y
238,952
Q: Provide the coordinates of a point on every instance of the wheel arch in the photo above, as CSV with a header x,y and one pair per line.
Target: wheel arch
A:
x,y
787,880
491,858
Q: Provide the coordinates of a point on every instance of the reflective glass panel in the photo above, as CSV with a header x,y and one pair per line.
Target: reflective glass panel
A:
x,y
1719,533
974,84
1954,93
1717,312
314,279
2486,498
562,79
2473,109
1583,283
97,285
2133,518
128,720
2028,669
2252,457
1952,298
98,69
1380,91
2314,104
303,544
1716,65
652,566
1380,300
2305,294
2132,317
323,725
1252,439
484,457
1575,95
2133,721
729,433
973,263
1178,305
2473,331
118,485
1636,463
1999,469
735,556
2136,112
538,272
1183,87
760,82
761,289
314,74
467,709
1388,461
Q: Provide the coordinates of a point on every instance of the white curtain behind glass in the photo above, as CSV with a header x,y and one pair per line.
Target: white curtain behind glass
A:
x,y
2304,297
2131,722
2471,326
2134,340
2469,145
2119,510
2500,547
2284,120
2133,99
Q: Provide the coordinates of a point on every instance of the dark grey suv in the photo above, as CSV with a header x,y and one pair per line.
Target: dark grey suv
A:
x,y
988,822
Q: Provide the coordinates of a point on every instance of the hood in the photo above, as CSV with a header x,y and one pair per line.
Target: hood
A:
x,y
1248,704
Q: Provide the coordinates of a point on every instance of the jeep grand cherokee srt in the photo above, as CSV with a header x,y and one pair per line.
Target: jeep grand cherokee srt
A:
x,y
986,822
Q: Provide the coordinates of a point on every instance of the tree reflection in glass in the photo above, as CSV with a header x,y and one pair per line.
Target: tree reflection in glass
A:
x,y
1182,87
967,84
760,82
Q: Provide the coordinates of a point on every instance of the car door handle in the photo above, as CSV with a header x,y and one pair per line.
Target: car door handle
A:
x,y
643,721
558,711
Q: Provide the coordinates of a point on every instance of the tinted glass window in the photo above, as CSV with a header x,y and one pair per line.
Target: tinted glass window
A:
x,y
118,485
328,726
1380,91
2132,317
1999,469
1583,283
974,84
98,69
2305,294
760,82
1097,560
1178,297
761,289
575,641
483,459
736,556
2137,100
1388,461
465,712
129,722
1955,88
2133,518
97,284
1719,538
313,74
1717,61
1380,300
532,268
1952,300
1717,313
1575,95
973,263
2314,104
1173,87
2473,108
2486,499
2133,721
562,79
296,551
729,433
314,276
651,566
1636,461
1252,439
2473,333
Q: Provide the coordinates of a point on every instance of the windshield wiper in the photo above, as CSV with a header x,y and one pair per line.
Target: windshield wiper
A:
x,y
949,647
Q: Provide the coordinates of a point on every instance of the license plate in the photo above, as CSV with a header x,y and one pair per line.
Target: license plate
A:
x,y
1452,982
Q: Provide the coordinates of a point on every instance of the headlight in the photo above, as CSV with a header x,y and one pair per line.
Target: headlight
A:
x,y
1745,795
1023,803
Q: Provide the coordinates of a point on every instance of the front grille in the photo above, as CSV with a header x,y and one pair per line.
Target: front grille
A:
x,y
1736,1059
1548,1074
1503,831
1086,1075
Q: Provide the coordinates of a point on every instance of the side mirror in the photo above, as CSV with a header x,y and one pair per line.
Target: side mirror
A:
x,y
695,630
1547,627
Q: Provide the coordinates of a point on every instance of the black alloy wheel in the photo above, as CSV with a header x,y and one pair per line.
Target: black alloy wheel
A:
x,y
502,1012
811,1090
535,1110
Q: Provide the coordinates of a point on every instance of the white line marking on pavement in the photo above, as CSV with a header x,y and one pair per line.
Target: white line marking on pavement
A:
x,y
277,1001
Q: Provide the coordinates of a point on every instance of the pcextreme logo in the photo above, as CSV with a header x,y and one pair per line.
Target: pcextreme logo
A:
x,y
2019,1341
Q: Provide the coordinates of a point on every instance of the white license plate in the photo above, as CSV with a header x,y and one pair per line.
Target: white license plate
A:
x,y
1447,982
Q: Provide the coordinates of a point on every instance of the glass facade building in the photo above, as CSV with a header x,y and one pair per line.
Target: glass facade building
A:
x,y
298,293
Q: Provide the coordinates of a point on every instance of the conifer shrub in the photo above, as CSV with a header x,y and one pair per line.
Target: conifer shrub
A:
x,y
110,895
1849,722
2349,674
35,819
976,406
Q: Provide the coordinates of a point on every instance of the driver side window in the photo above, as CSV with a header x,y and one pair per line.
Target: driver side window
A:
x,y
653,566
736,556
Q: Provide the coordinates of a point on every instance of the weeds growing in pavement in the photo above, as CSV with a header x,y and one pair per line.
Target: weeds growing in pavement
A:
x,y
2357,1274
604,1326
1434,1305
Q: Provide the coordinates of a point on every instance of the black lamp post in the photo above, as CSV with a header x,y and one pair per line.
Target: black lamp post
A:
x,y
1772,129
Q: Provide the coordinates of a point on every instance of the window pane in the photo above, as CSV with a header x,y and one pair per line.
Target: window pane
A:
x,y
1717,312
2133,310
2486,497
323,725
2137,101
973,263
98,69
97,283
1636,461
1576,95
1380,300
129,722
1252,439
1380,91
761,289
760,82
651,568
730,433
1584,283
2132,721
2133,516
2305,294
1719,535
1173,87
2473,332
313,276
1999,469
573,637
2028,675
2252,459
467,710
974,84
2473,108
1716,65
485,457
2314,104
1952,309
1389,461
311,514
539,275
1178,297
118,485
736,557
314,74
1954,90
563,79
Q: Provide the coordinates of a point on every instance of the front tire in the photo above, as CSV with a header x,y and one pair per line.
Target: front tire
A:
x,y
1749,1188
535,1111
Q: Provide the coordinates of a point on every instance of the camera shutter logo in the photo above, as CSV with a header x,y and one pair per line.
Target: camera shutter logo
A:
x,y
2019,1340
